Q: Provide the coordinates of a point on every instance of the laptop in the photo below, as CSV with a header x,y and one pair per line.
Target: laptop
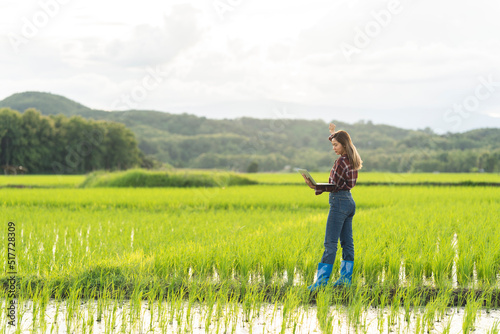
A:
x,y
305,173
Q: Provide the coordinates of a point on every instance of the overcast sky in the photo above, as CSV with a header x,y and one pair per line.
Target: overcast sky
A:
x,y
409,63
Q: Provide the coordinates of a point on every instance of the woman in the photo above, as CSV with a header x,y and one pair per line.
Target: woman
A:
x,y
343,178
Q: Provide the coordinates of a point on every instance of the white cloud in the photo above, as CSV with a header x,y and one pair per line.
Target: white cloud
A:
x,y
426,59
149,44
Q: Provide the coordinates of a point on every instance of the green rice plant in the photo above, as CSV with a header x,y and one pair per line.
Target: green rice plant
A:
x,y
221,302
392,264
227,313
486,268
150,297
495,328
415,269
419,323
417,251
324,302
395,307
383,300
22,309
447,328
135,314
209,304
126,314
470,314
372,266
298,318
90,311
177,305
380,319
407,304
488,296
290,305
72,306
442,264
418,299
57,298
465,264
359,303
443,301
162,316
429,315
246,305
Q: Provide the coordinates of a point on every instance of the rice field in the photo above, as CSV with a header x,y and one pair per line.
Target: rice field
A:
x,y
72,181
238,259
393,178
53,181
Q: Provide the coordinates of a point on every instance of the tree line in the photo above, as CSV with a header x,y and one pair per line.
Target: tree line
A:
x,y
244,145
56,144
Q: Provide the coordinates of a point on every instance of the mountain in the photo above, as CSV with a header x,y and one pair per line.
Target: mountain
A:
x,y
186,140
180,124
45,102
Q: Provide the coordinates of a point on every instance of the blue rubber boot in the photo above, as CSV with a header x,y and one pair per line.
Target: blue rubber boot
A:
x,y
345,273
324,272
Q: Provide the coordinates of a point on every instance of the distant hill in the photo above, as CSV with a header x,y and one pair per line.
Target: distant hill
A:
x,y
45,102
185,140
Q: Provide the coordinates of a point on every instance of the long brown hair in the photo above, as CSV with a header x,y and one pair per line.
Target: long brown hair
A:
x,y
352,153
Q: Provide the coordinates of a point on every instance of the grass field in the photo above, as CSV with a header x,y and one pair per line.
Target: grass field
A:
x,y
42,180
372,177
415,245
276,178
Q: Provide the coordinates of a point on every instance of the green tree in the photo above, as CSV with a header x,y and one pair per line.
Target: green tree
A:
x,y
253,167
36,137
10,140
121,147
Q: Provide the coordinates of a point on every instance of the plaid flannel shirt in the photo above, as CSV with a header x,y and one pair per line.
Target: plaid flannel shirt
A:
x,y
342,175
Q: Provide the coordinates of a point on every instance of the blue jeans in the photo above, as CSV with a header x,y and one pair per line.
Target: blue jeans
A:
x,y
339,225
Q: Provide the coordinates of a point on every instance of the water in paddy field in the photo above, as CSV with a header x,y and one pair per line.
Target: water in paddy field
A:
x,y
181,317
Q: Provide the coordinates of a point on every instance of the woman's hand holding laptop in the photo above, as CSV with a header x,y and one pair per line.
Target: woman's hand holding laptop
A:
x,y
309,183
318,192
312,186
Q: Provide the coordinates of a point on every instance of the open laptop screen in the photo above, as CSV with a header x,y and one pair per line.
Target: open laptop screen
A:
x,y
305,173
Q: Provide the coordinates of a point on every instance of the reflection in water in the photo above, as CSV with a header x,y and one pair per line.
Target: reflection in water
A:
x,y
114,316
